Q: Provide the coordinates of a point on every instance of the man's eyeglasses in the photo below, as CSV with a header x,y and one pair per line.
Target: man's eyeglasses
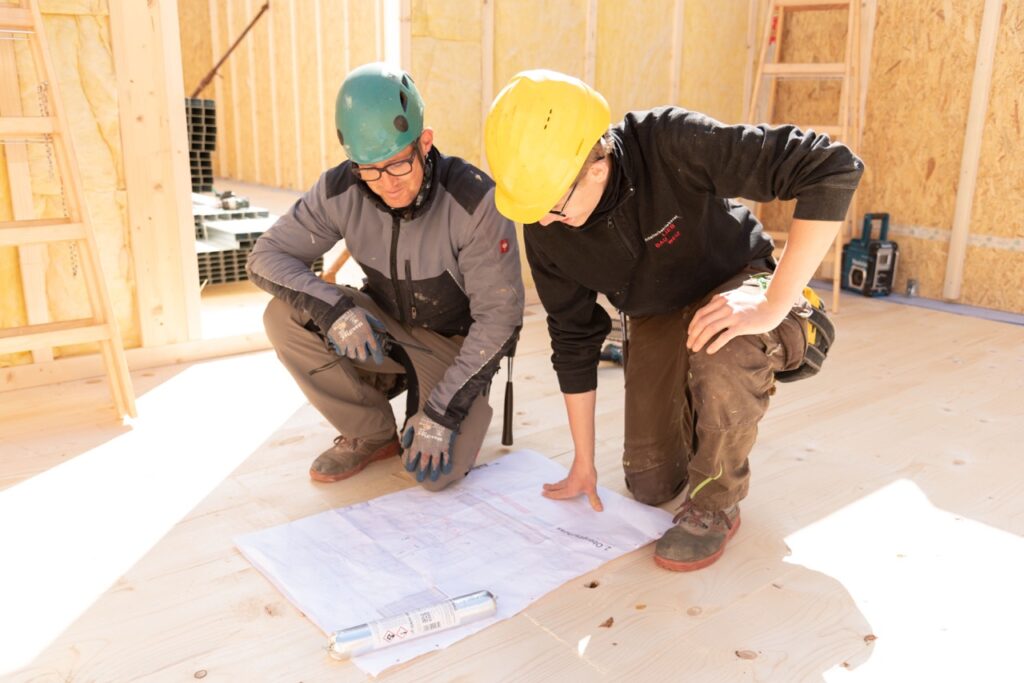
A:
x,y
395,168
561,212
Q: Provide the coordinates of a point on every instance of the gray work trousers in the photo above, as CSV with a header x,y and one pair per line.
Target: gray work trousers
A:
x,y
693,416
353,395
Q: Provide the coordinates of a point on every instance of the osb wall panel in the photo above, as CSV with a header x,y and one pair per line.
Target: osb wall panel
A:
x,y
533,34
446,63
714,58
276,107
634,51
992,277
79,37
922,66
811,36
196,43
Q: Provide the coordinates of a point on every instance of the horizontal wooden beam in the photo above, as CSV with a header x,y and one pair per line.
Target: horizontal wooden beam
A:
x,y
26,126
808,70
797,5
39,231
16,19
62,333
91,365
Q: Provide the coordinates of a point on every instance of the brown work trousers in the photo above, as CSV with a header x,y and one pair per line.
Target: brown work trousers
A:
x,y
353,395
693,416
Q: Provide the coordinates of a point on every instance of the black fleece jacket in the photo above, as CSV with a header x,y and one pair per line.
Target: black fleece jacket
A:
x,y
666,231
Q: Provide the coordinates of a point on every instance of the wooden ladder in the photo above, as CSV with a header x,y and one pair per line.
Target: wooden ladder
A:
x,y
29,234
847,128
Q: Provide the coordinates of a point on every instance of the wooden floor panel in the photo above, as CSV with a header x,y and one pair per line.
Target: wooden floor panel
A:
x,y
121,566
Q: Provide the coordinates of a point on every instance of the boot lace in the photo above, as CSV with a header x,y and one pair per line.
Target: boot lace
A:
x,y
692,516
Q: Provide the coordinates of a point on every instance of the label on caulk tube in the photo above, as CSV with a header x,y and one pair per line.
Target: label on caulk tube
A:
x,y
413,624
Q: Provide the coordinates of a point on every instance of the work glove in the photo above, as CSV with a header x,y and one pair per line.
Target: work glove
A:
x,y
428,448
355,335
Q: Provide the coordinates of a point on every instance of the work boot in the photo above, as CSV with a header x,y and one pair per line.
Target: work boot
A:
x,y
347,457
698,537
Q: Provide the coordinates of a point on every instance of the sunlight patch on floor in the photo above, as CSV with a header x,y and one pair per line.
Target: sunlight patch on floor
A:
x,y
942,593
70,532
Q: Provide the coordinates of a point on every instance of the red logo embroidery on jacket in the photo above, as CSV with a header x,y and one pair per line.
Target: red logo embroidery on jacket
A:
x,y
668,235
503,246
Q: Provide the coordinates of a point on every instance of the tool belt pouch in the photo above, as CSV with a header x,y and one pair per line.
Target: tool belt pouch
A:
x,y
821,333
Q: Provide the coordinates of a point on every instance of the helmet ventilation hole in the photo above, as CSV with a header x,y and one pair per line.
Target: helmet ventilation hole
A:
x,y
405,101
341,138
401,123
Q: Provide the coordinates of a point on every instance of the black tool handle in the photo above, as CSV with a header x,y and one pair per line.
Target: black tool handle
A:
x,y
506,429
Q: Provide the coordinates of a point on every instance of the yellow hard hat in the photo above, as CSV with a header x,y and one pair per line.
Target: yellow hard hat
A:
x,y
540,129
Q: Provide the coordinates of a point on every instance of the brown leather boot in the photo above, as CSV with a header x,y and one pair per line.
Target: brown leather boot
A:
x,y
697,539
347,457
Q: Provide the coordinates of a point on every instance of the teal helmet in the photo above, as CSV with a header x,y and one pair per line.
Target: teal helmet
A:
x,y
378,112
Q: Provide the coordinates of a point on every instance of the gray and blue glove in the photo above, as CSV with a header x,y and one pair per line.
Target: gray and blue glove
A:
x,y
428,448
354,335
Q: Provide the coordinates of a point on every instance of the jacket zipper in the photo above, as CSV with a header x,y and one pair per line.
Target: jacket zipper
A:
x,y
396,227
613,226
412,292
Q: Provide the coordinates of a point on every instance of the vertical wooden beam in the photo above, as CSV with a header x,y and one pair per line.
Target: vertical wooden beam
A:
x,y
590,45
405,28
486,73
32,258
976,113
676,64
250,83
754,107
275,101
218,87
378,20
295,94
867,38
147,61
236,125
748,71
346,37
322,119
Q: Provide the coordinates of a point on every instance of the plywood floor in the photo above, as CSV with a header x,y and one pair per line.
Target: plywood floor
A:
x,y
881,540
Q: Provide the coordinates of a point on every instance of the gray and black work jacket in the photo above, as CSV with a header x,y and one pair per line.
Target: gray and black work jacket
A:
x,y
450,265
667,230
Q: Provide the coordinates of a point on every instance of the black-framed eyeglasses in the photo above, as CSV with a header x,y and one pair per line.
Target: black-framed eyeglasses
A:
x,y
395,168
561,212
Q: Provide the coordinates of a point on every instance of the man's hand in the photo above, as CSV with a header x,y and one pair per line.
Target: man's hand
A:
x,y
353,336
744,310
582,480
428,448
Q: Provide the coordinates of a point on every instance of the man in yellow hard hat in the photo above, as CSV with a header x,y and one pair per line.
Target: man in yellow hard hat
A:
x,y
642,212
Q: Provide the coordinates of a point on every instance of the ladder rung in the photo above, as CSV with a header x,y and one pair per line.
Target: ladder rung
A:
x,y
27,126
809,70
16,18
797,5
14,233
50,335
